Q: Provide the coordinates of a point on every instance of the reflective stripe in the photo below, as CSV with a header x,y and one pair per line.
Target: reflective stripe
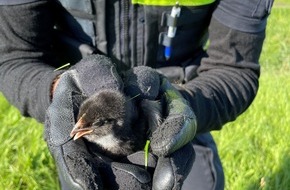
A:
x,y
173,2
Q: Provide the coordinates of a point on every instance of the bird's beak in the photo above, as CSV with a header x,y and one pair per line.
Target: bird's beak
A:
x,y
78,130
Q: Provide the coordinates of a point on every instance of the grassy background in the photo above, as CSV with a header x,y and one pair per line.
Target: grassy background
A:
x,y
25,163
254,149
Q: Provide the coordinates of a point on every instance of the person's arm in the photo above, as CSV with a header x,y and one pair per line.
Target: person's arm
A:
x,y
25,74
227,80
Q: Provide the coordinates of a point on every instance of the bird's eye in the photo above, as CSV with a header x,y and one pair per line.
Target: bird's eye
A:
x,y
99,123
109,120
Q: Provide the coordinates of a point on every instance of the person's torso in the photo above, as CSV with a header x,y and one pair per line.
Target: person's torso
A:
x,y
135,34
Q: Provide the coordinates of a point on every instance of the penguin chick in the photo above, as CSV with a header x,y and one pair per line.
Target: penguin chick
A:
x,y
113,125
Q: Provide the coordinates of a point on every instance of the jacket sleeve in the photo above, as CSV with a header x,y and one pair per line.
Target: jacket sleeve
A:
x,y
227,80
25,48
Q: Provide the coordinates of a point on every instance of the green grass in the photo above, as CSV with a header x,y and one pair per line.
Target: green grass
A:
x,y
276,50
25,162
254,148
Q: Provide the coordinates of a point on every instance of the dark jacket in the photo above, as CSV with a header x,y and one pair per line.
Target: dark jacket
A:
x,y
220,83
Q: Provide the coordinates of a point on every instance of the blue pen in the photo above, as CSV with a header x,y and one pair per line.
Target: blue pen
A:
x,y
175,12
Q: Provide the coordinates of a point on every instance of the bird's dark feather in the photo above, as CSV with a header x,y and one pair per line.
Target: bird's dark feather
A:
x,y
120,128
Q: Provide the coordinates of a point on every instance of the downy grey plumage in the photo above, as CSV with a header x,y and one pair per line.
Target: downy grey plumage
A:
x,y
116,125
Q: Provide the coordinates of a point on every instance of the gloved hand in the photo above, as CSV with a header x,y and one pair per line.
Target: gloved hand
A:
x,y
170,141
179,126
77,167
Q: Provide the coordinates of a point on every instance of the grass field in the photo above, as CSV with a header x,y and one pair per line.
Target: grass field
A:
x,y
254,149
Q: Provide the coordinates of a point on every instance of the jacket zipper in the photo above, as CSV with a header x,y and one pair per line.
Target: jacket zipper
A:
x,y
126,41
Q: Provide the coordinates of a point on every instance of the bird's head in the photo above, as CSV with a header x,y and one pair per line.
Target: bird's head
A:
x,y
102,114
97,128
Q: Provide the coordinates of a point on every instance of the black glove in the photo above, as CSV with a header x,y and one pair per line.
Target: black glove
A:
x,y
171,171
77,167
179,126
170,140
